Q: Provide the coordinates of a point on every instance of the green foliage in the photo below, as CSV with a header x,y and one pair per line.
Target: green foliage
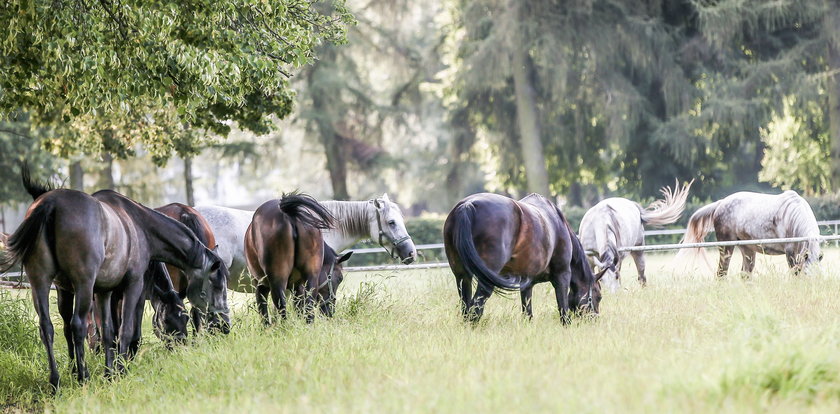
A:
x,y
165,64
797,154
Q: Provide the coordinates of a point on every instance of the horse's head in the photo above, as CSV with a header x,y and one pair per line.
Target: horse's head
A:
x,y
331,276
607,269
388,228
811,255
207,289
585,295
171,318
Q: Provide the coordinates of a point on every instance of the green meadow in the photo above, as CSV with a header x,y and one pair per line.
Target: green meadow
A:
x,y
685,343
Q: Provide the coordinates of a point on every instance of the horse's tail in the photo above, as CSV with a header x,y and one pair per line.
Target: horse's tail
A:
x,y
34,188
465,246
306,210
699,225
669,209
23,240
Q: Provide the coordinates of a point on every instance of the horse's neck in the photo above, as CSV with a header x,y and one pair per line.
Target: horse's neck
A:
x,y
352,223
169,240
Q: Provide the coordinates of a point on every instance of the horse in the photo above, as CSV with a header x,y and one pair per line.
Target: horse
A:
x,y
379,219
492,237
283,247
748,216
195,222
618,222
95,244
328,280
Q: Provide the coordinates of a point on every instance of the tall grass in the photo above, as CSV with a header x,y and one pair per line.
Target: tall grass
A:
x,y
686,343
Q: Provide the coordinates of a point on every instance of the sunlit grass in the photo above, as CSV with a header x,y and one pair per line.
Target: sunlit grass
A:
x,y
686,343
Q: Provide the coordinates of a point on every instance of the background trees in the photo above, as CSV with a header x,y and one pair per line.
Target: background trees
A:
x,y
578,99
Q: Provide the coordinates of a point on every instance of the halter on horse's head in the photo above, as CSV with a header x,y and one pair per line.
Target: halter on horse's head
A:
x,y
389,230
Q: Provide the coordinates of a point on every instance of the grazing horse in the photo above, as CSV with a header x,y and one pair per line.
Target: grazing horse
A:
x,y
618,222
283,247
96,244
749,216
496,238
379,219
331,276
195,222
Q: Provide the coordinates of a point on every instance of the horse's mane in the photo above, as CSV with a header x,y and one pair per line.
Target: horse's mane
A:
x,y
796,216
352,217
193,223
614,227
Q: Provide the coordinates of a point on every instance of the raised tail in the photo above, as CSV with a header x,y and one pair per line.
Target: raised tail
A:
x,y
669,209
465,246
699,225
34,188
306,210
23,240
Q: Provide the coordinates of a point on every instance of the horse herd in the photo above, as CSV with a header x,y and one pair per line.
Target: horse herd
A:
x,y
106,255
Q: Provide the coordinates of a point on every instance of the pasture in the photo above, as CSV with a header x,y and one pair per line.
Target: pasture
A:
x,y
686,343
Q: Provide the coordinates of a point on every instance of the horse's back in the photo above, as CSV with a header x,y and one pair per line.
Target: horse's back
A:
x,y
228,226
612,217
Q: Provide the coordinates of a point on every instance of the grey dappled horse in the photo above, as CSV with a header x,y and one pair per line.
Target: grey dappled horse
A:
x,y
618,222
749,216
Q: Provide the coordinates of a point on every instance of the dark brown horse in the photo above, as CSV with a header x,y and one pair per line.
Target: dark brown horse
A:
x,y
497,239
331,276
284,247
195,222
96,244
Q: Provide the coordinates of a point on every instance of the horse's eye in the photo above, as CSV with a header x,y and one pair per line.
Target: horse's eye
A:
x,y
392,223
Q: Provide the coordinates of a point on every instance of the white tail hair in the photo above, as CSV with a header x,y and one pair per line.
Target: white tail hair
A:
x,y
699,225
669,209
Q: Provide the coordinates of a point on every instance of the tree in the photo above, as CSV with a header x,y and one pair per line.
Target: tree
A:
x,y
201,63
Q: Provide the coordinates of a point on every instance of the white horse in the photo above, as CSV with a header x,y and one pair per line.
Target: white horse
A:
x,y
379,219
749,216
618,222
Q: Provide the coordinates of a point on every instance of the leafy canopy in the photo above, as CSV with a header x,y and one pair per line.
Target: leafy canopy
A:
x,y
104,65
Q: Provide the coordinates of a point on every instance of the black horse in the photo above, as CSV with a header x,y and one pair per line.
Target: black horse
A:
x,y
492,236
332,274
96,244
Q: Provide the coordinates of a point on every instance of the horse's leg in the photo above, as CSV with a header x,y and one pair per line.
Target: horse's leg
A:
x,y
311,294
262,302
65,309
725,256
95,328
298,292
561,280
134,344
103,303
41,299
482,293
278,293
525,296
132,293
749,261
79,323
197,318
639,259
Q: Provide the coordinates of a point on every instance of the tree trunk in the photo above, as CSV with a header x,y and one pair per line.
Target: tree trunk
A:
x,y
336,162
527,114
832,22
188,180
106,179
77,176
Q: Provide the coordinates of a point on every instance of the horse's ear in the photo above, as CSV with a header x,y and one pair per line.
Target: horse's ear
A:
x,y
378,203
385,197
344,258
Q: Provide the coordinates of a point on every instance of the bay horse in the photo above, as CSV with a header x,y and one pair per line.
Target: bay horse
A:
x,y
378,219
191,218
496,238
328,280
748,216
95,244
618,222
283,247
